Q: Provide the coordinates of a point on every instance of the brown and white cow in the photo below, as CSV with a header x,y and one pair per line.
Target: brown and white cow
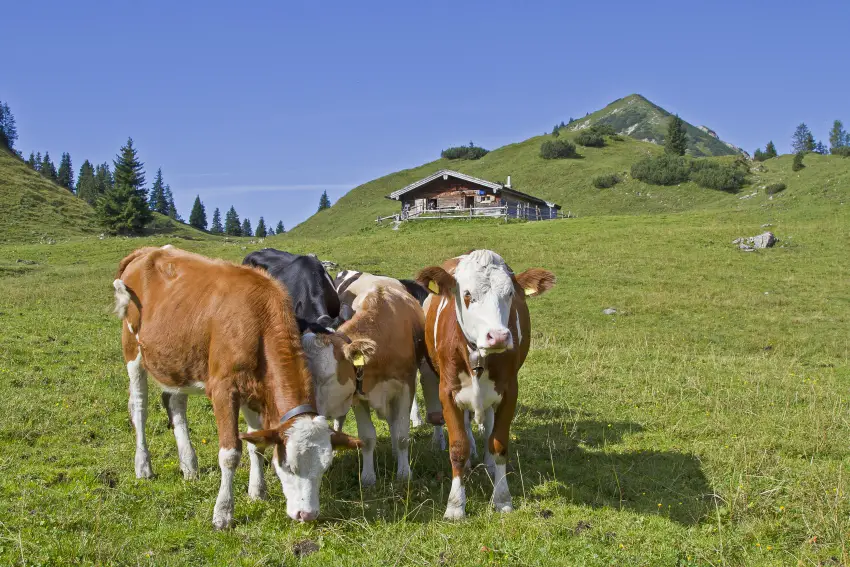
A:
x,y
375,370
208,326
478,333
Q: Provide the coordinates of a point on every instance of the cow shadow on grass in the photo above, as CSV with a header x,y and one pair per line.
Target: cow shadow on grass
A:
x,y
556,455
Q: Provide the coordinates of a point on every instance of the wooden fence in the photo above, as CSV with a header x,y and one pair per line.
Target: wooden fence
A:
x,y
509,211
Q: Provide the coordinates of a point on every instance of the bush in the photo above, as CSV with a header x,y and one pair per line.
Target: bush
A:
x,y
606,181
557,149
617,138
843,151
464,152
603,129
774,188
590,138
662,170
713,175
798,161
760,155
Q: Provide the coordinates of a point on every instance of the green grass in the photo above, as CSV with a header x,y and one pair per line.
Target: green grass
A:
x,y
704,424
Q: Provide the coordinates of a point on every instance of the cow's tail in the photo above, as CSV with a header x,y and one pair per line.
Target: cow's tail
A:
x,y
122,298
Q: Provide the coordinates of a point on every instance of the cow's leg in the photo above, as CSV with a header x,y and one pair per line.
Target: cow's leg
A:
x,y
176,405
339,422
431,393
138,406
415,420
226,408
256,478
400,432
458,455
366,433
489,463
467,425
498,447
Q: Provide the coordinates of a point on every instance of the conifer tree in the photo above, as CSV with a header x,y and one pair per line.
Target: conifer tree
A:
x,y
803,140
86,184
261,231
279,228
770,150
838,137
270,231
8,130
31,162
172,209
47,168
246,227
198,216
216,227
158,203
38,161
124,207
65,175
103,180
676,142
324,202
232,226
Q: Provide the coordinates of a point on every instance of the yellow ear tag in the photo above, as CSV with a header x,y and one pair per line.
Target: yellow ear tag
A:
x,y
432,285
529,291
358,360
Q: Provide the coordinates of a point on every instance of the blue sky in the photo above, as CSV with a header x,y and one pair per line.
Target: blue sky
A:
x,y
262,105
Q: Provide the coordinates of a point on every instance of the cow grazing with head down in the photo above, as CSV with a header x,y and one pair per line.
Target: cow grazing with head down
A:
x,y
352,286
478,332
311,289
375,369
208,326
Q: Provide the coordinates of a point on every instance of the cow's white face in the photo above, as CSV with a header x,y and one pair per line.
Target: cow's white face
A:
x,y
484,295
308,455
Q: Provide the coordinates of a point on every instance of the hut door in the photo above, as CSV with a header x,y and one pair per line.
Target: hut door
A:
x,y
469,202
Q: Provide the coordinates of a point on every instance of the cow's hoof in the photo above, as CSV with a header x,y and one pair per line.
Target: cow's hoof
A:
x,y
454,513
189,472
257,492
143,468
503,507
222,519
368,479
402,474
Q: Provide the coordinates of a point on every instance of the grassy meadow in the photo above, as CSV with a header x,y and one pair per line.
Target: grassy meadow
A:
x,y
706,423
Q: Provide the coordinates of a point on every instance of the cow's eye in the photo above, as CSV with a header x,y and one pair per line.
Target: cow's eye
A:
x,y
467,298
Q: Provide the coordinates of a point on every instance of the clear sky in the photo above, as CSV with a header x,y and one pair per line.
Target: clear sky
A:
x,y
262,105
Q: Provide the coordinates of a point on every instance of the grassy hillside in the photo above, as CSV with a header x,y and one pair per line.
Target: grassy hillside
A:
x,y
704,424
34,209
637,117
568,183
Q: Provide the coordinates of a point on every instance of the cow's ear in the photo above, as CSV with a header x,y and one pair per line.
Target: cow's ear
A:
x,y
436,280
359,351
262,438
340,440
536,281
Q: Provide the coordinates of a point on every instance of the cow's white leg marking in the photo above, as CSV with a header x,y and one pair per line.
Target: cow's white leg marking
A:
x,y
473,450
400,433
501,494
256,478
456,508
185,452
366,433
489,462
228,460
415,419
339,422
138,406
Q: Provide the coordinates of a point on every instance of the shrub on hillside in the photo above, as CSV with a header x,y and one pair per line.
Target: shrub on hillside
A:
x,y
603,129
606,181
464,152
590,138
665,169
617,138
798,164
713,175
843,151
774,188
557,149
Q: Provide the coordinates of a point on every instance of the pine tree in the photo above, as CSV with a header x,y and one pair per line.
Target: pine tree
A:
x,y
47,168
124,207
38,161
246,227
798,164
261,231
803,140
555,131
216,227
86,184
838,137
820,148
770,150
171,211
270,231
325,203
103,180
279,228
158,203
65,176
676,142
232,227
198,216
31,162
8,130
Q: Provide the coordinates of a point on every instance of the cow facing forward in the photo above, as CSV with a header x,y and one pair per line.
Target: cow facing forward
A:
x,y
478,332
207,326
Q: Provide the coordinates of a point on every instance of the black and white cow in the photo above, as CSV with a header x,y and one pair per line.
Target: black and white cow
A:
x,y
314,297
